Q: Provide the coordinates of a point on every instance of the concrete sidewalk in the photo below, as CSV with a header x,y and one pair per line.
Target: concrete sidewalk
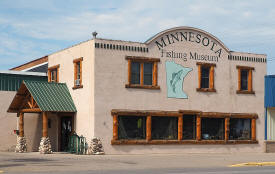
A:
x,y
35,162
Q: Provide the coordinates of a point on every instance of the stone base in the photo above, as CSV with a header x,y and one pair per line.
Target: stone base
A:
x,y
96,147
45,146
270,146
21,145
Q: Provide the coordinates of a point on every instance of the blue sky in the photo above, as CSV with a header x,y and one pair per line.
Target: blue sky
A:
x,y
30,29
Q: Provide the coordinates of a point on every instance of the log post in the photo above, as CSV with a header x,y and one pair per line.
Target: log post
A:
x,y
141,74
249,86
198,128
21,124
148,128
45,124
211,78
180,124
155,74
226,126
253,131
115,127
239,79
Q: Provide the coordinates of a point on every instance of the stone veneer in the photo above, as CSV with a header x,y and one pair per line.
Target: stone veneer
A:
x,y
95,147
45,146
21,145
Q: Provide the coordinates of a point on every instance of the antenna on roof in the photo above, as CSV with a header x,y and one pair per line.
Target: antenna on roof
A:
x,y
94,34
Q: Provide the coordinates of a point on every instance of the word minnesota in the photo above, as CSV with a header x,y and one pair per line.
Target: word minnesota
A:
x,y
188,37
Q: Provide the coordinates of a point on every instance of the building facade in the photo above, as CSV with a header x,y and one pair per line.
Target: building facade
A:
x,y
10,82
181,91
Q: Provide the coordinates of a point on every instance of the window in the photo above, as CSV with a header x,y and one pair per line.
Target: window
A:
x,y
212,128
53,74
142,72
131,127
240,129
164,128
206,77
182,127
189,127
78,73
245,80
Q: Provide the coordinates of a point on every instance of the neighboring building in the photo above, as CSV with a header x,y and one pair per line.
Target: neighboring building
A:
x,y
182,87
10,82
270,113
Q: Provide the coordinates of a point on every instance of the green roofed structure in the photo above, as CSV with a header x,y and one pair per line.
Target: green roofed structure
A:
x,y
44,98
50,97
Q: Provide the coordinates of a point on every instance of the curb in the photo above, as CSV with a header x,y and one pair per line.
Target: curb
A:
x,y
253,164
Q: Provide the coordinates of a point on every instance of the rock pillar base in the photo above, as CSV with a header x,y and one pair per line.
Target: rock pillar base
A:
x,y
21,146
96,147
45,146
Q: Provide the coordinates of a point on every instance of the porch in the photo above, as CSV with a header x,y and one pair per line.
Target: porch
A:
x,y
55,108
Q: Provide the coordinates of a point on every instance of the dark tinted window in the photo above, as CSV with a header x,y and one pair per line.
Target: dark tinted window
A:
x,y
240,129
148,71
131,127
189,127
244,79
212,128
135,73
164,128
205,77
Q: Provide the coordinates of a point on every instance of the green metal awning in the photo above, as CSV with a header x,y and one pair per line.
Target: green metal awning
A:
x,y
50,97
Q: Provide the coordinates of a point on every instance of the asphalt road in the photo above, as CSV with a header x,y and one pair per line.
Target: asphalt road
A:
x,y
134,164
243,170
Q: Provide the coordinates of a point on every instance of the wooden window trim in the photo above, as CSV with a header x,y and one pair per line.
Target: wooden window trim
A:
x,y
57,72
75,61
180,114
249,80
143,60
211,77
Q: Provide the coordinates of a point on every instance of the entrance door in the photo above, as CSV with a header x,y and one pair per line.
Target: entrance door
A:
x,y
66,130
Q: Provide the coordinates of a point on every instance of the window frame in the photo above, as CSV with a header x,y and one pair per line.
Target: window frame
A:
x,y
50,70
180,114
143,60
249,80
75,62
211,67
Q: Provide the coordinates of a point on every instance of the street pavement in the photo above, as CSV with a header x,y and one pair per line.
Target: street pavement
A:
x,y
125,164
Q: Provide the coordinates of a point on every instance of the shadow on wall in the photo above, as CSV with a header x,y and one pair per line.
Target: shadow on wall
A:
x,y
32,131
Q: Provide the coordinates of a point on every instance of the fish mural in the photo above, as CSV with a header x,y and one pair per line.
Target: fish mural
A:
x,y
175,75
175,79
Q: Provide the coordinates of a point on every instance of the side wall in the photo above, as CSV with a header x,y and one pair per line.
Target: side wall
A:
x,y
82,97
32,126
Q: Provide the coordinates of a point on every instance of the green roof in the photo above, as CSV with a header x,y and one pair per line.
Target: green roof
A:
x,y
54,97
11,82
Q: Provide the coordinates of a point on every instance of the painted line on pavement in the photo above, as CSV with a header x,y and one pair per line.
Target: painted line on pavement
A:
x,y
253,164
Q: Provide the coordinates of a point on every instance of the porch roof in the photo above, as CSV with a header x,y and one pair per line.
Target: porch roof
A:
x,y
50,97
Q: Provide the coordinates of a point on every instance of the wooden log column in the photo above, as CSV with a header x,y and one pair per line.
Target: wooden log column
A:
x,y
226,126
198,128
115,127
253,131
148,128
21,124
180,124
45,124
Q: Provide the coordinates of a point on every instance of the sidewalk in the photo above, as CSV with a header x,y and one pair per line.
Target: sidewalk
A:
x,y
34,161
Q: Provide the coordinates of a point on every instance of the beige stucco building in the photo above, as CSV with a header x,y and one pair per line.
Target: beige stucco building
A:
x,y
181,91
